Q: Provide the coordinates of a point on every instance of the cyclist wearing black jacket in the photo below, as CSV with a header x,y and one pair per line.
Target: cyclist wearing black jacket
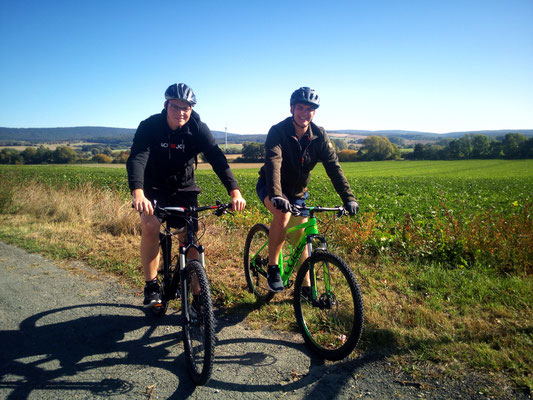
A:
x,y
293,148
161,167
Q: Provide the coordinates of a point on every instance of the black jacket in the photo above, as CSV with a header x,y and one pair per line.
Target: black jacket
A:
x,y
164,160
288,164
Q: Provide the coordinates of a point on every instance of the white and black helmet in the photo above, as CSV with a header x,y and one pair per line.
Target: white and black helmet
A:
x,y
305,95
180,91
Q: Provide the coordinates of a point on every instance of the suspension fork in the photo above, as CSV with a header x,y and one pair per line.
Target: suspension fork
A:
x,y
312,275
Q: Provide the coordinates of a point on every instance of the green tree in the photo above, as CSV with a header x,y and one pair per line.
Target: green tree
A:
x,y
512,143
480,146
460,148
30,155
495,149
253,151
378,148
340,144
44,155
10,156
526,150
397,140
418,152
64,155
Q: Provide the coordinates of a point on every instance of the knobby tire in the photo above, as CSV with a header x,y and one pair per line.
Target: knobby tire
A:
x,y
333,327
256,275
198,330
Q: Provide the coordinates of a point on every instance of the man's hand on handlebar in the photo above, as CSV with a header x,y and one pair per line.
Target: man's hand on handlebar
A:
x,y
141,203
351,207
281,203
237,201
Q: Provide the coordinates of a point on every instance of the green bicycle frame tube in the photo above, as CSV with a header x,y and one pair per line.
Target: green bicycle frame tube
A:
x,y
310,228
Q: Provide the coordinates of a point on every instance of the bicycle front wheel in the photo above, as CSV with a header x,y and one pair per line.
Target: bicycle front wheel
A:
x,y
198,323
256,262
330,315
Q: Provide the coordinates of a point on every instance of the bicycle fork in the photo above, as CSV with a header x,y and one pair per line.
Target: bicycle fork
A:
x,y
186,286
325,300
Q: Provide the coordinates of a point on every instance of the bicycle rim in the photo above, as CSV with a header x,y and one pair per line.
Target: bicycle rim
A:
x,y
332,323
256,262
198,325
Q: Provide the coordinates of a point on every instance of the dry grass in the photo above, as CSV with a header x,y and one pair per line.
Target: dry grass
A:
x,y
87,224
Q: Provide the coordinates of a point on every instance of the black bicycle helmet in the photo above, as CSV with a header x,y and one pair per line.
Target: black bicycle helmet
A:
x,y
180,91
305,95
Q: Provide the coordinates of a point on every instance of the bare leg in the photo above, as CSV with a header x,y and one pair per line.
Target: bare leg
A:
x,y
278,233
149,246
294,238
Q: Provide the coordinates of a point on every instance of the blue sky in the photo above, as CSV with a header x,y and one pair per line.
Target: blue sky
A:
x,y
434,66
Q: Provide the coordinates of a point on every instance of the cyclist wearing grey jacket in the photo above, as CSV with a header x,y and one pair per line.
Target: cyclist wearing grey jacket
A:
x,y
290,159
161,167
293,148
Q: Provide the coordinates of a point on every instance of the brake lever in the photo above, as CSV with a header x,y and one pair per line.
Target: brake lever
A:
x,y
222,210
341,212
296,211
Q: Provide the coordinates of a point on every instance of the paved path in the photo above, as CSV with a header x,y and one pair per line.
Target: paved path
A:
x,y
67,333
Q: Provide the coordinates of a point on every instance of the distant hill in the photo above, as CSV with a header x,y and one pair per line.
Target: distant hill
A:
x,y
97,134
63,134
235,138
413,135
102,134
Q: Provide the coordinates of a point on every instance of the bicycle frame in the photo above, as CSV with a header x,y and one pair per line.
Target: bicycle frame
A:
x,y
310,232
165,241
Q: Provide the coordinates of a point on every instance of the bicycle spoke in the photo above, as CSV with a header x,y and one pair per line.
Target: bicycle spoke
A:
x,y
256,262
332,320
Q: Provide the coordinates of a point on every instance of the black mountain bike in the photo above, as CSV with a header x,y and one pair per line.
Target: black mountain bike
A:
x,y
187,279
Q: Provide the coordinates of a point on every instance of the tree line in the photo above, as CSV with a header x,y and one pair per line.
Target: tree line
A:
x,y
62,155
511,146
372,148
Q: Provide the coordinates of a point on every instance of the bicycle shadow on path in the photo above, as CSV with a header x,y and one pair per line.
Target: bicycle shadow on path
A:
x,y
55,356
117,350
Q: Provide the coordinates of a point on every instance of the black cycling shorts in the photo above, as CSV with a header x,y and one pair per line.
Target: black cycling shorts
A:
x,y
182,199
262,192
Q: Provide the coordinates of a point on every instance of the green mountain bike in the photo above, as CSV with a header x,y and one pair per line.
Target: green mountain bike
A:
x,y
329,312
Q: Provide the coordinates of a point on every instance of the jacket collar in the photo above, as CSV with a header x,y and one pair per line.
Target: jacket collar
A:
x,y
312,128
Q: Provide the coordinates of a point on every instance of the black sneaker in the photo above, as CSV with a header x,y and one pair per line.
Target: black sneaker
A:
x,y
152,295
275,284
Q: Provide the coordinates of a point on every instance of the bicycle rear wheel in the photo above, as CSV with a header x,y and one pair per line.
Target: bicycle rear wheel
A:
x,y
256,262
332,321
198,324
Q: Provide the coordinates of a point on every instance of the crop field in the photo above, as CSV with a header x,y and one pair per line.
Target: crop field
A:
x,y
435,197
389,189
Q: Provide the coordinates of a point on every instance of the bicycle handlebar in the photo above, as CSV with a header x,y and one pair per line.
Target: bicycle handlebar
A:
x,y
297,210
219,209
